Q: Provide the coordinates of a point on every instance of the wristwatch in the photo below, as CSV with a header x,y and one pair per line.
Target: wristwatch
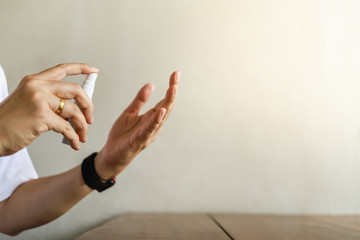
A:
x,y
91,178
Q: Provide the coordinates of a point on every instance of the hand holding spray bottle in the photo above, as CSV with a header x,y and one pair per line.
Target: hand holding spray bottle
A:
x,y
88,86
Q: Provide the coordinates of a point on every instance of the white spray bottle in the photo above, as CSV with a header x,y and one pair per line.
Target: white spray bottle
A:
x,y
88,86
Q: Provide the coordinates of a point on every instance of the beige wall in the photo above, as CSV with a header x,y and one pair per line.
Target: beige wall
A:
x,y
268,114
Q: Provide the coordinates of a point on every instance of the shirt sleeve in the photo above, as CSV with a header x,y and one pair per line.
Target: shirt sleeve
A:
x,y
3,85
18,167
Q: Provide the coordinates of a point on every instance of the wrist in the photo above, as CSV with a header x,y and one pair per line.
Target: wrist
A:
x,y
102,168
90,176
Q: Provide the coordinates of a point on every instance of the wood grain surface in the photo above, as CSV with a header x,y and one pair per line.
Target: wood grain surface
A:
x,y
157,226
350,222
273,227
226,226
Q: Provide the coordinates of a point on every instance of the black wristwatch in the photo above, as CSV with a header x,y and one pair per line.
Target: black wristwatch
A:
x,y
91,178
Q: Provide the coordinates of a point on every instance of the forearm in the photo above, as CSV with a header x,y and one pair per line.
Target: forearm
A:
x,y
42,200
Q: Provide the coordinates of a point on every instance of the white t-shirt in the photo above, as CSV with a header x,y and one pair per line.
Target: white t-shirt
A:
x,y
17,168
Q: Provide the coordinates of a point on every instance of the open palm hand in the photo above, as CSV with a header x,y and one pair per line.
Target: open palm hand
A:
x,y
132,132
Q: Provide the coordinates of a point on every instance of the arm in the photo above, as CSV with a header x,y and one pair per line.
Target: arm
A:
x,y
42,200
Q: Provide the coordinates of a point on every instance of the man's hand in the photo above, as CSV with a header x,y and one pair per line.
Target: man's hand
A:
x,y
42,200
30,109
132,132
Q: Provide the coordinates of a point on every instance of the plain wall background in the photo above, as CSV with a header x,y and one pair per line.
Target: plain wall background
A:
x,y
268,114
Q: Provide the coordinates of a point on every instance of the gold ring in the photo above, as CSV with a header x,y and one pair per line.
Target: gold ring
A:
x,y
61,106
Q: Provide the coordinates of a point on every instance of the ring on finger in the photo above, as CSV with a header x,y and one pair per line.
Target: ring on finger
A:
x,y
61,106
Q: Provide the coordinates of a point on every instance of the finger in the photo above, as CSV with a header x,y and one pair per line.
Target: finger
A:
x,y
72,111
171,92
174,78
140,99
169,100
159,104
152,125
62,126
141,137
67,90
62,70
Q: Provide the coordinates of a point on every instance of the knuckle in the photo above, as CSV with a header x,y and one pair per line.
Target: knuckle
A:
x,y
75,108
37,130
68,127
28,77
62,66
36,99
78,115
29,82
85,66
78,89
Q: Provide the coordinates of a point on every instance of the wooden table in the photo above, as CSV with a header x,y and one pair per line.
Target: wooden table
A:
x,y
226,226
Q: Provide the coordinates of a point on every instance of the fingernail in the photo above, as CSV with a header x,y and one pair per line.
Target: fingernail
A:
x,y
93,69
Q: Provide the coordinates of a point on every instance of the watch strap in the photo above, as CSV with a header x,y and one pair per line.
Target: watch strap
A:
x,y
91,178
